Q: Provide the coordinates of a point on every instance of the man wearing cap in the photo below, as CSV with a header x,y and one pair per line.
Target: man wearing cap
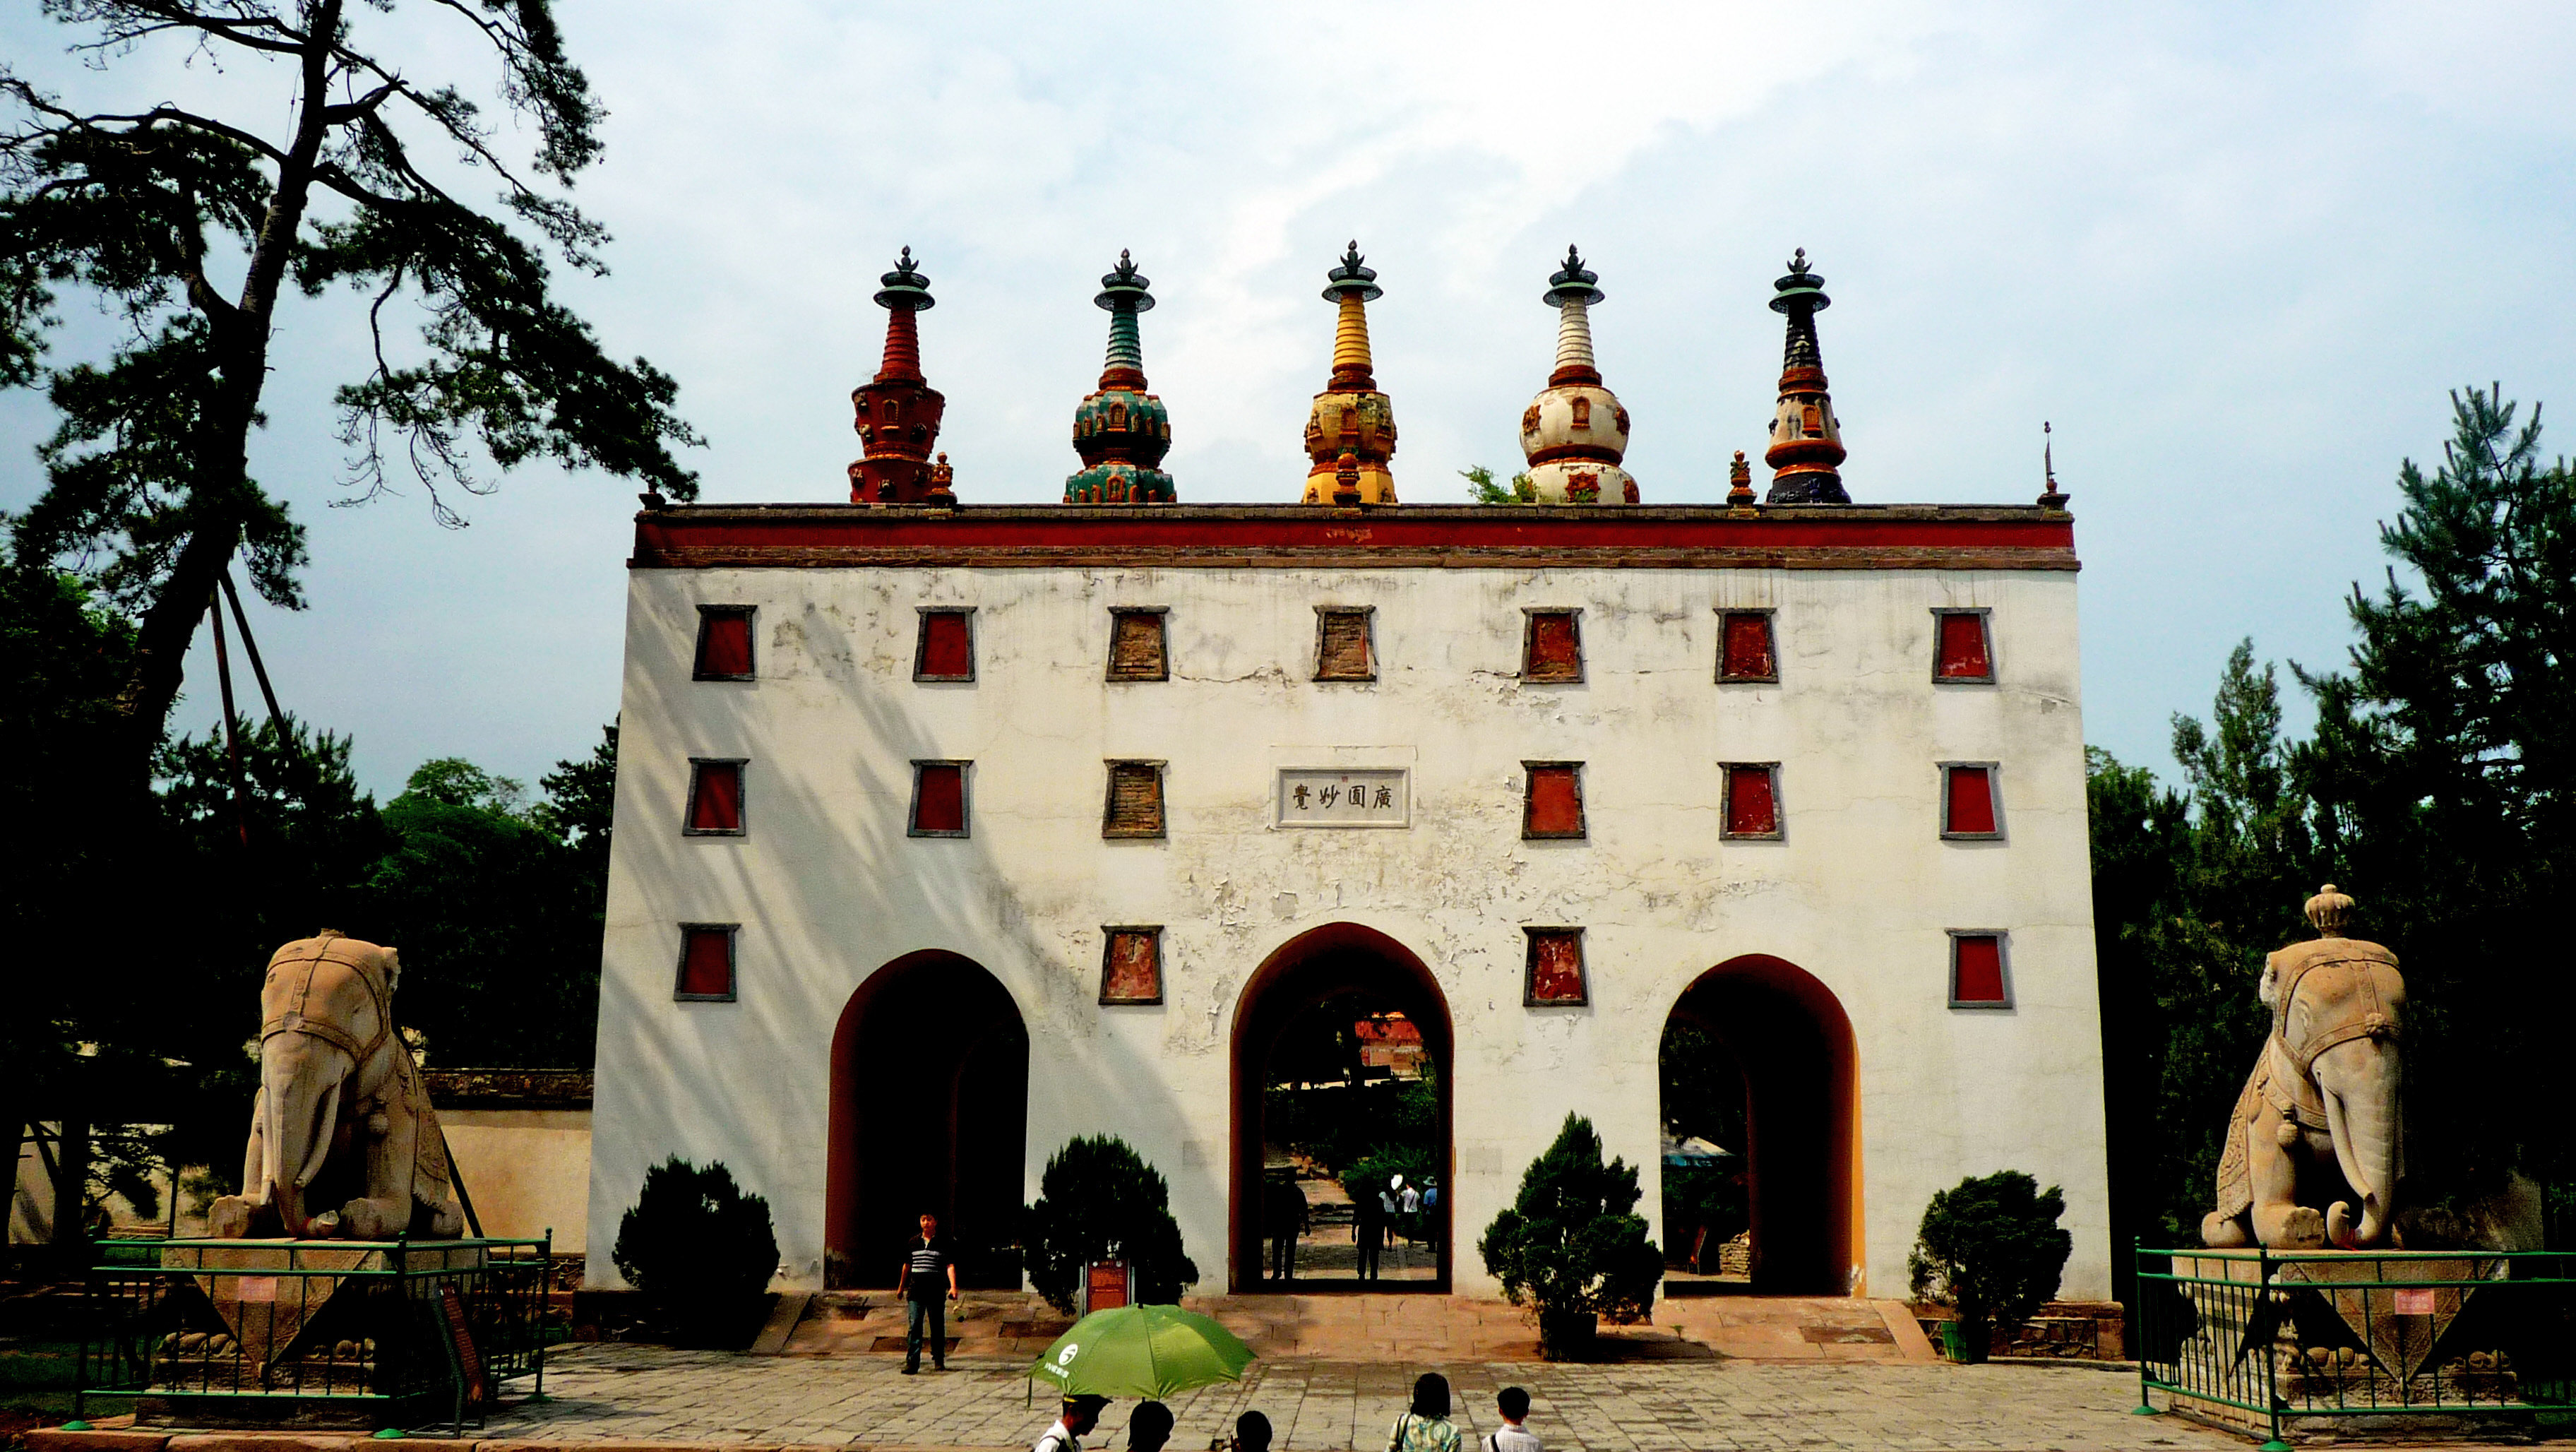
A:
x,y
1081,1414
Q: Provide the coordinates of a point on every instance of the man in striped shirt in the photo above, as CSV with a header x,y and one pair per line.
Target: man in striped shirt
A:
x,y
918,1284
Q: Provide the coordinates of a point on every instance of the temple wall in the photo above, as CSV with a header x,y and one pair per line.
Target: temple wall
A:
x,y
1859,893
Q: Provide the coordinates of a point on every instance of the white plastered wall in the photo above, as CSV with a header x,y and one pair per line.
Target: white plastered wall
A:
x,y
1859,894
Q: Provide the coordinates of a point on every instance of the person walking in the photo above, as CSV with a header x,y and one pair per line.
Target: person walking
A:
x,y
1079,1415
1511,1436
1425,1427
925,1262
1368,1228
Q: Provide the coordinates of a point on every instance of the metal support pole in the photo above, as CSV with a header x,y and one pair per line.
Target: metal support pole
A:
x,y
2271,1367
232,740
2138,1324
250,647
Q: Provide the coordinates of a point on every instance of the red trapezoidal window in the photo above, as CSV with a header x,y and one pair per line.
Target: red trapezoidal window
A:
x,y
1968,802
1552,802
724,643
715,799
1753,800
1552,646
947,646
938,799
1960,652
1744,647
1977,971
1555,975
706,961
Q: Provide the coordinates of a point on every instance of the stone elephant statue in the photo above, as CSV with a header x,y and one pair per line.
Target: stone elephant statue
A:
x,y
2319,1119
342,1120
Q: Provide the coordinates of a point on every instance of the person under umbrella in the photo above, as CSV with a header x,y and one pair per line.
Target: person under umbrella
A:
x,y
1080,1415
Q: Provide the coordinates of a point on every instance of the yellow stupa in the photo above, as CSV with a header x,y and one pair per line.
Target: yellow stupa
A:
x,y
1350,434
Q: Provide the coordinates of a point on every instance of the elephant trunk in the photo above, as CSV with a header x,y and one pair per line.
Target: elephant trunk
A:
x,y
2359,1082
301,1079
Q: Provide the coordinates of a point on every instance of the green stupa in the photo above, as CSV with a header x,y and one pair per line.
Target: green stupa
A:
x,y
1121,431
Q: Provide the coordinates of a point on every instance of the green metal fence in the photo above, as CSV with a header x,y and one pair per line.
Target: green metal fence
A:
x,y
316,1333
2274,1335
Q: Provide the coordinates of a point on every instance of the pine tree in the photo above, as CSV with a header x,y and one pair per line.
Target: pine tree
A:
x,y
190,228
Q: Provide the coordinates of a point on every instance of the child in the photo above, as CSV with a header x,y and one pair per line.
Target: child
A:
x,y
1513,1403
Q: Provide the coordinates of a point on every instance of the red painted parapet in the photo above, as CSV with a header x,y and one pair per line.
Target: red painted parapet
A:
x,y
1920,537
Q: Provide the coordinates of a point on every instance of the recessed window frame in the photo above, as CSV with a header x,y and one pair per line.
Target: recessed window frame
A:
x,y
1533,934
733,964
742,797
1770,633
707,616
2003,969
1163,644
1985,629
965,799
1109,936
1529,802
921,645
1726,832
1994,801
1368,640
1110,830
1529,644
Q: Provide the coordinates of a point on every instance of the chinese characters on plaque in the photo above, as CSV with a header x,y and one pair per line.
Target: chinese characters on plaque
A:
x,y
1368,798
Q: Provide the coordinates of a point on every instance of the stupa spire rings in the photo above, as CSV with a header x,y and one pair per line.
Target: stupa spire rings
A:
x,y
1575,432
1350,431
896,414
1806,451
1120,430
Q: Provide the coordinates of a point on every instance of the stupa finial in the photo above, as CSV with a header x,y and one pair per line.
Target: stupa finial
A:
x,y
896,413
1351,416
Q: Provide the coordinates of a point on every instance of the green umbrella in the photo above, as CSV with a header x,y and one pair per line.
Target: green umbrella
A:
x,y
1141,1351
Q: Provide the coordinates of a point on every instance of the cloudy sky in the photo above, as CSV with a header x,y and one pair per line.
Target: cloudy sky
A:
x,y
2237,254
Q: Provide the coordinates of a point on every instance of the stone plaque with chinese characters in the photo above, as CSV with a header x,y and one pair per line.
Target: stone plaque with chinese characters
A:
x,y
1359,798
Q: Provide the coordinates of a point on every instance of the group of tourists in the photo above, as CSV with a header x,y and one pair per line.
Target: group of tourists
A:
x,y
1402,1208
1424,1427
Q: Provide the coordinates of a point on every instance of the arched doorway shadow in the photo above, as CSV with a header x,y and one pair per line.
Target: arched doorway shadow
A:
x,y
930,1088
1320,965
1792,1043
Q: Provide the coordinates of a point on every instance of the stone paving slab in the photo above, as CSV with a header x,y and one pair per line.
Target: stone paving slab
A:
x,y
607,1393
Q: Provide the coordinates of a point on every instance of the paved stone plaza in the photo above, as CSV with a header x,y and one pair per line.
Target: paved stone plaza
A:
x,y
620,1393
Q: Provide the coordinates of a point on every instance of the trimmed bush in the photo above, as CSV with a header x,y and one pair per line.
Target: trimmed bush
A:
x,y
699,1250
1991,1250
1099,1200
1571,1249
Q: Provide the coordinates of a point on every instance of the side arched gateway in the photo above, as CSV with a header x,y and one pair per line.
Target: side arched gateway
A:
x,y
930,1089
1759,1051
1346,992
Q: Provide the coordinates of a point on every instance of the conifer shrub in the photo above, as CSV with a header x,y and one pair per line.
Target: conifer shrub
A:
x,y
1991,1250
1100,1200
699,1250
1571,1248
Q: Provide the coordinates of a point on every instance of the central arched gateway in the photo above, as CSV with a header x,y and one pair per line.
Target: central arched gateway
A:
x,y
930,1091
1791,1043
1311,974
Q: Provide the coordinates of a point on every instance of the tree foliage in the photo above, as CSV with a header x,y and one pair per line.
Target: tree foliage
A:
x,y
187,228
699,1248
1100,1200
1990,1248
1484,488
1572,1244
